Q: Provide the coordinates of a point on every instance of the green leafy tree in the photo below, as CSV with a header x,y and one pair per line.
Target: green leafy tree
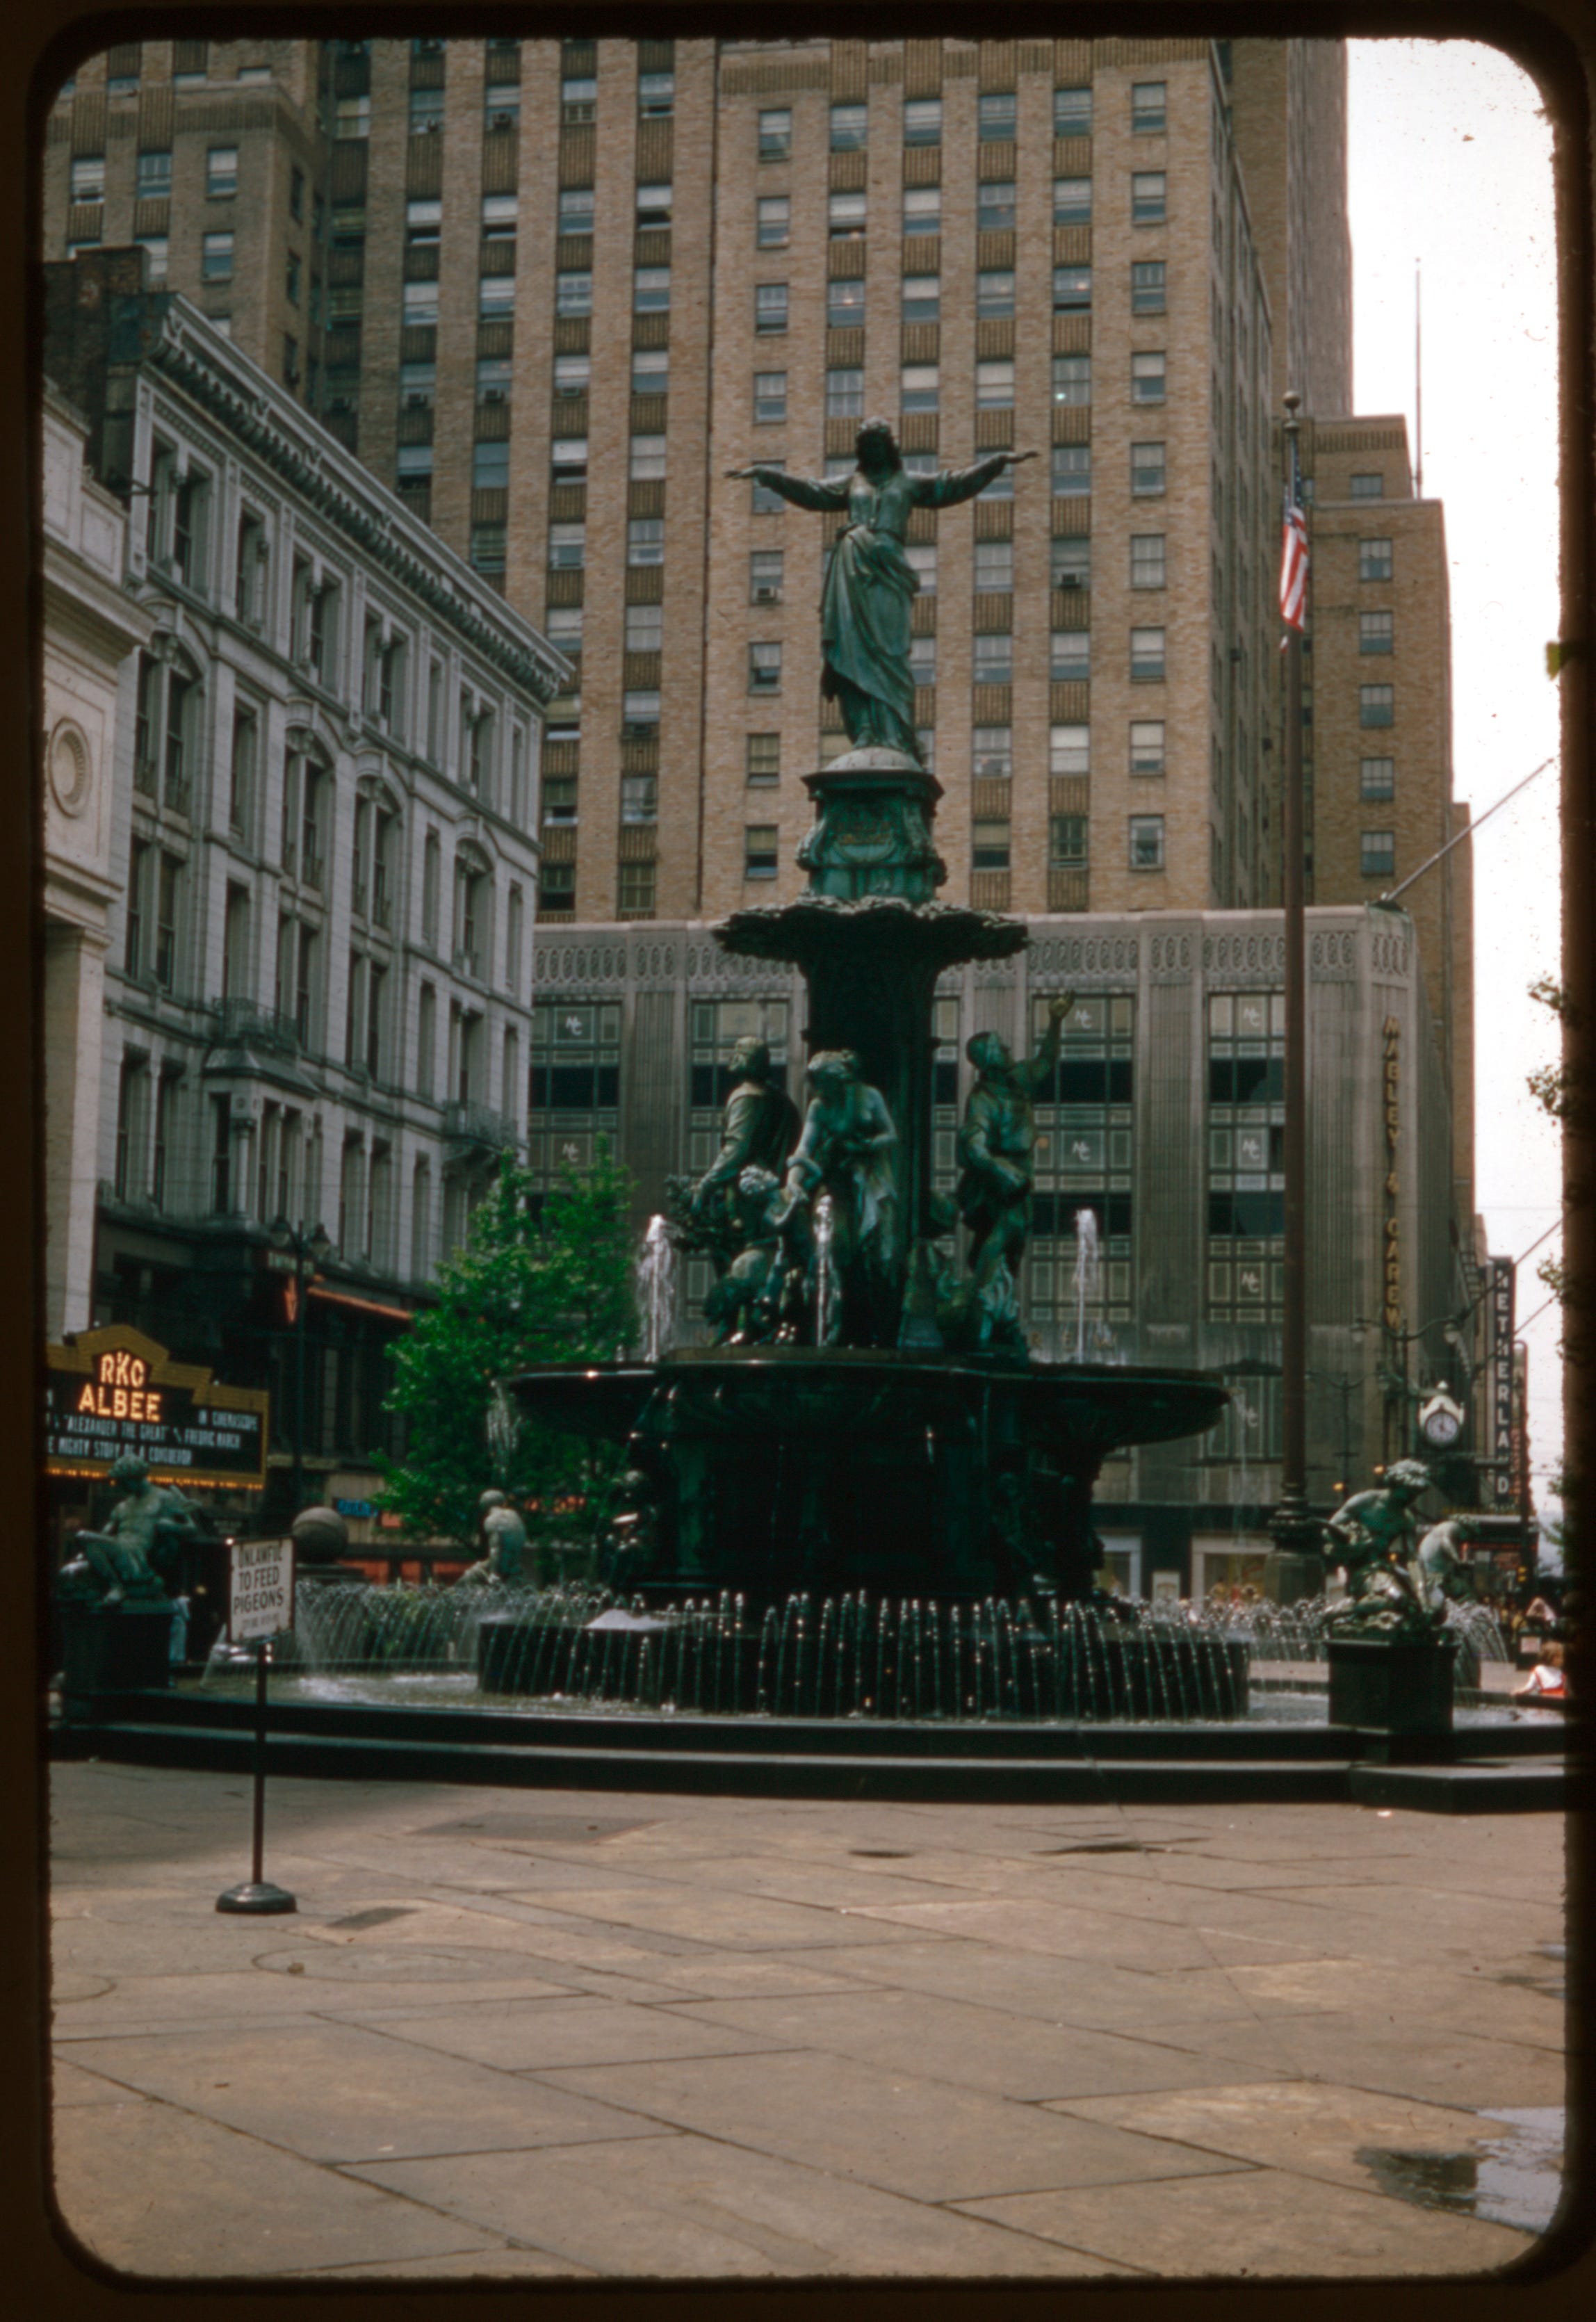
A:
x,y
535,1282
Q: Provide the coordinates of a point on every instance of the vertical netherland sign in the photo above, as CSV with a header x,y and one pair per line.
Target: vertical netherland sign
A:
x,y
261,1604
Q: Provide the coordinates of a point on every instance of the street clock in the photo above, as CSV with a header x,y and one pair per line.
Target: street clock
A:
x,y
1440,1420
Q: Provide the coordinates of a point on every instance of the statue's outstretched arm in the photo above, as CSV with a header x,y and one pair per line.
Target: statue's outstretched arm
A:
x,y
819,492
953,485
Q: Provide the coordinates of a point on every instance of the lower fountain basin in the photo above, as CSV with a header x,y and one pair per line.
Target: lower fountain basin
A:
x,y
772,1470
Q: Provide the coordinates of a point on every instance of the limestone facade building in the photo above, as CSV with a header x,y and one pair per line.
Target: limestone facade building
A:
x,y
320,844
91,627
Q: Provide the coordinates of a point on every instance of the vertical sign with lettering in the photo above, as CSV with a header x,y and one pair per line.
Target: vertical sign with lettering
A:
x,y
1392,1283
1502,1290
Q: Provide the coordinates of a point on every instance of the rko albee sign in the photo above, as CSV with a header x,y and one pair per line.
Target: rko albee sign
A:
x,y
113,1390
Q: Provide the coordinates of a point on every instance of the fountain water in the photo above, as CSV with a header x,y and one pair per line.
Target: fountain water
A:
x,y
827,1318
1088,1273
656,1289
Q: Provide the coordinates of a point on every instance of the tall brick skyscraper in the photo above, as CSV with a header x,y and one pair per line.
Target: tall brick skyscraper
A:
x,y
552,291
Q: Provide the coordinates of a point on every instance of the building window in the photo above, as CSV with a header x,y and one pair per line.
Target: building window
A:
x,y
573,294
844,305
500,216
764,669
764,761
994,385
488,549
576,209
769,398
423,225
1367,487
638,886
994,295
1072,471
991,751
922,210
572,373
501,106
152,177
775,134
562,626
640,714
1146,745
1374,560
770,307
993,659
989,844
651,290
419,305
1071,290
1147,377
922,297
844,394
568,547
772,222
1377,854
1069,750
653,207
557,890
1066,841
922,659
1071,201
1147,842
648,459
1069,656
1377,705
921,559
996,118
559,799
922,121
1147,197
291,277
222,172
765,575
645,628
1072,111
850,128
994,565
156,249
1147,472
645,540
1146,560
921,386
1148,286
490,467
656,96
844,216
579,101
1147,108
762,500
1146,654
994,205
1072,379
761,851
1374,633
353,117
426,111
1377,778
216,261
1069,561
640,799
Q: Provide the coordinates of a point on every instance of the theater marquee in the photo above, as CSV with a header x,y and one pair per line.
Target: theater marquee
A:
x,y
114,1391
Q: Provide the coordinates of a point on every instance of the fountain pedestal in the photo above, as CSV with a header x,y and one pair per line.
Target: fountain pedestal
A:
x,y
1391,1687
114,1649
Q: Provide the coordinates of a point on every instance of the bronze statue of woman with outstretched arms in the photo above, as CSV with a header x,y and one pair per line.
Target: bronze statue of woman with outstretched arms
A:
x,y
870,584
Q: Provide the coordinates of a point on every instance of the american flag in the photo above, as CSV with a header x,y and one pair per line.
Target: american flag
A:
x,y
1293,562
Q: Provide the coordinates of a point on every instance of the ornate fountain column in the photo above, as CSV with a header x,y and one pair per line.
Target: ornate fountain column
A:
x,y
872,940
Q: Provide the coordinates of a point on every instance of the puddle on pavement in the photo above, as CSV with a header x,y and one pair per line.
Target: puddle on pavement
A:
x,y
1512,2176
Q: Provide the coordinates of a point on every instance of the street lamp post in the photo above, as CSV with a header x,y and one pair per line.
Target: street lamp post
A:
x,y
314,1243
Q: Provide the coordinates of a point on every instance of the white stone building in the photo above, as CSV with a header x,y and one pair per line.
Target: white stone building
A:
x,y
317,997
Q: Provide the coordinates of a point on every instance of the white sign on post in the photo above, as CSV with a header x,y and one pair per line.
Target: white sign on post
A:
x,y
263,1595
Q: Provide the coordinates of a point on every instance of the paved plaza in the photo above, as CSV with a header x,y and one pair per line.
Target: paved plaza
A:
x,y
514,2034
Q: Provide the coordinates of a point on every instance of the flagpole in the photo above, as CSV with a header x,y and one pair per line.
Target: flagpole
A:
x,y
1294,1531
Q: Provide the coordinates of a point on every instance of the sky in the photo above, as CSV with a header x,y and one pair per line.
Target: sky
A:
x,y
1450,168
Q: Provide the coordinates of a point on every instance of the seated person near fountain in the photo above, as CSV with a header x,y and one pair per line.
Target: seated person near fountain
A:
x,y
505,1536
129,1557
870,584
1546,1685
847,1150
997,1139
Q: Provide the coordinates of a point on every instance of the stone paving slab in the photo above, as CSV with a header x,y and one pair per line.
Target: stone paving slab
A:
x,y
1257,2223
692,2205
343,2092
904,2133
574,2031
